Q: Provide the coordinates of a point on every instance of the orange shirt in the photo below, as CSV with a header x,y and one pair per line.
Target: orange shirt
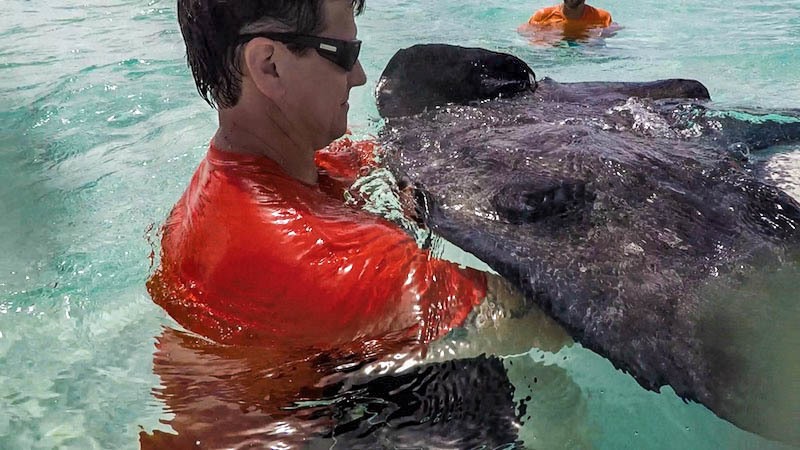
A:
x,y
252,256
554,16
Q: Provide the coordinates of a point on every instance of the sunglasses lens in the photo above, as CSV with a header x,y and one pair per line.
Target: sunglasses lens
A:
x,y
352,54
347,55
342,53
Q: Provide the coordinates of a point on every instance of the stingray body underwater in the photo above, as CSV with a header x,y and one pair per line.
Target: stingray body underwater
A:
x,y
624,210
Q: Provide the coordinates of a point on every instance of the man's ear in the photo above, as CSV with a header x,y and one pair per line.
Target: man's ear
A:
x,y
258,63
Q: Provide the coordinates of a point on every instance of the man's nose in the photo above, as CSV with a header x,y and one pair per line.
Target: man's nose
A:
x,y
357,76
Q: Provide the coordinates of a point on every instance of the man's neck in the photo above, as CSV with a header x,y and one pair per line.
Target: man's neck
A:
x,y
573,13
268,137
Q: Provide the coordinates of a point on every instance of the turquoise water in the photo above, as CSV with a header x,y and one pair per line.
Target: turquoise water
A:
x,y
101,129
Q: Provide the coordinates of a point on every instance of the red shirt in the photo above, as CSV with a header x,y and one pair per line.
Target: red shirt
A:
x,y
253,256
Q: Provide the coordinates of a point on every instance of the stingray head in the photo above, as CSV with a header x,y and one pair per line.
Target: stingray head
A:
x,y
429,75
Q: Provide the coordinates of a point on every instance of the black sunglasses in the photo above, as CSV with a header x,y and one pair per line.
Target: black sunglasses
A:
x,y
342,53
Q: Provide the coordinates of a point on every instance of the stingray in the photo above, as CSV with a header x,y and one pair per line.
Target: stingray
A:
x,y
629,212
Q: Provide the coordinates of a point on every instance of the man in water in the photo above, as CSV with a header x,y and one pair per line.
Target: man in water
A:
x,y
262,255
573,17
261,249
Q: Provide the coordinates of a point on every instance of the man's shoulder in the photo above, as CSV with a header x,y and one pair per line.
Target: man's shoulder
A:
x,y
549,10
546,13
232,199
599,12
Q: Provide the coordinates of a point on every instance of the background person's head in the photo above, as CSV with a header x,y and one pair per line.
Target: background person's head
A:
x,y
572,4
264,77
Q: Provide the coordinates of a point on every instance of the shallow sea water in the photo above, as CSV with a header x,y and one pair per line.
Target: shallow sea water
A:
x,y
101,128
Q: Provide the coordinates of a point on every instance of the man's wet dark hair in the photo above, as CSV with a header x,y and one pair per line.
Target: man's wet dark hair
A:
x,y
211,30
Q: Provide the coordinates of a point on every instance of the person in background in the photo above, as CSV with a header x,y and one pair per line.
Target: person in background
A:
x,y
574,18
572,13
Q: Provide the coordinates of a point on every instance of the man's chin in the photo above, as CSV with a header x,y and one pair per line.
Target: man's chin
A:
x,y
339,131
331,139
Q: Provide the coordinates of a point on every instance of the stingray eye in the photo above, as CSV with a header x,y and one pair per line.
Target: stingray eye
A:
x,y
560,196
532,199
531,202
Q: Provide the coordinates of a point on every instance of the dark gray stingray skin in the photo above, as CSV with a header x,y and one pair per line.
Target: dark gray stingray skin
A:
x,y
616,207
472,74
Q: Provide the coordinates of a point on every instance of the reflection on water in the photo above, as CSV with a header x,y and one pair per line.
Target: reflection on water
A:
x,y
782,169
233,397
550,36
222,397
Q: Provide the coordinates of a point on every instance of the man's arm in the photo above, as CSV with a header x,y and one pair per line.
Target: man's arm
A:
x,y
504,323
